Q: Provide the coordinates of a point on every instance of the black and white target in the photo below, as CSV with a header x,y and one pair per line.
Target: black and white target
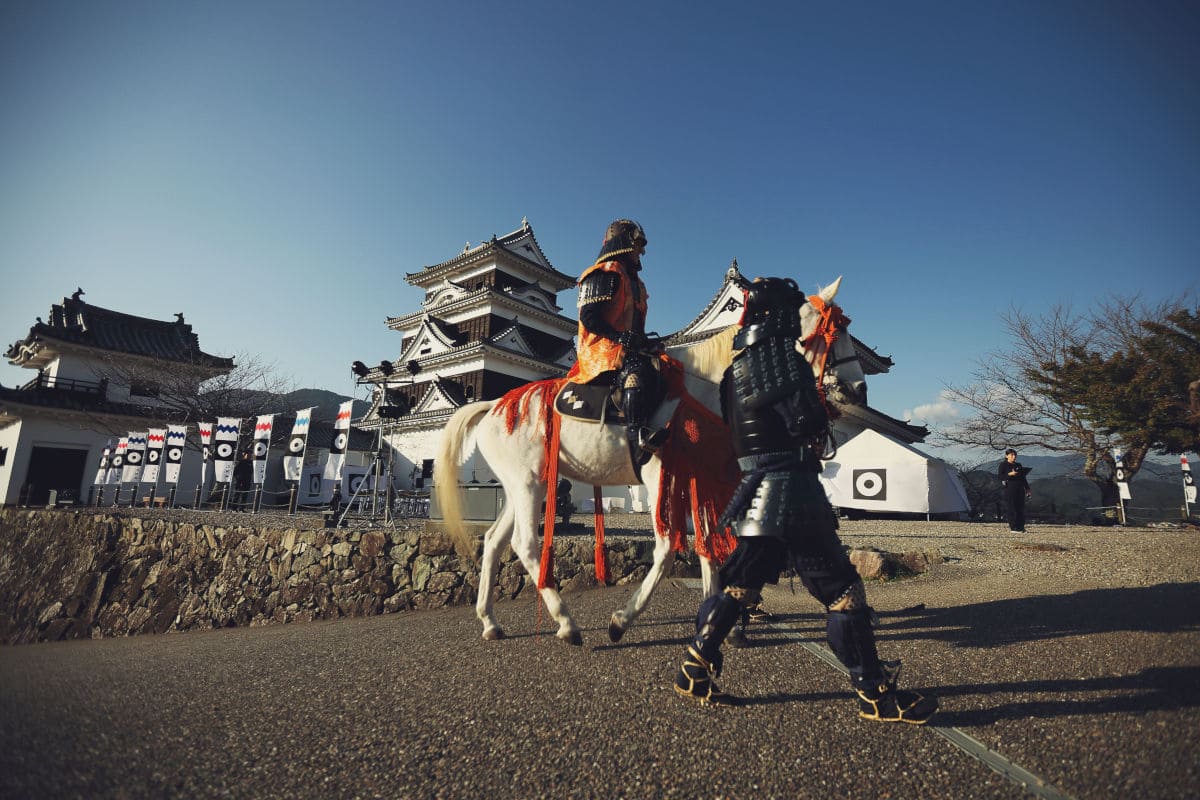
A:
x,y
224,451
1187,479
174,455
133,458
354,482
870,484
340,440
117,461
152,456
296,444
261,446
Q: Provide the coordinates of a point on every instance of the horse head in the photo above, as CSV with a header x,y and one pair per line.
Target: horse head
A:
x,y
826,344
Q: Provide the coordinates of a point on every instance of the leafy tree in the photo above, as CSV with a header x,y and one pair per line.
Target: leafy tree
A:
x,y
1086,384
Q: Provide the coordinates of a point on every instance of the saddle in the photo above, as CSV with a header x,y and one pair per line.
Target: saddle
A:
x,y
600,401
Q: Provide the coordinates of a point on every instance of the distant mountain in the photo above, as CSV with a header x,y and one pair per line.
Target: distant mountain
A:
x,y
327,402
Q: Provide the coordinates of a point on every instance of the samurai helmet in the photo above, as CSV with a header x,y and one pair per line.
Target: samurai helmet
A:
x,y
623,237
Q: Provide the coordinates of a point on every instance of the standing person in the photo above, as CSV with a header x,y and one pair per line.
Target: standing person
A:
x,y
243,479
782,516
612,330
1016,490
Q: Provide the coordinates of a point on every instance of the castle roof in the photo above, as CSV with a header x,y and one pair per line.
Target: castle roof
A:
x,y
519,245
74,322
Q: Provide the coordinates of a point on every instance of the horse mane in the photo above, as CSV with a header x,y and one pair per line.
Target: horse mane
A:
x,y
711,356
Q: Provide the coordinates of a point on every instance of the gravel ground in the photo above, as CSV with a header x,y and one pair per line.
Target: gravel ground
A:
x,y
1071,651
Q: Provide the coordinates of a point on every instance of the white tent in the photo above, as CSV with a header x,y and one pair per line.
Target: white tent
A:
x,y
874,472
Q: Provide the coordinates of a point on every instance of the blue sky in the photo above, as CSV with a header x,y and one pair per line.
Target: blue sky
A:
x,y
272,169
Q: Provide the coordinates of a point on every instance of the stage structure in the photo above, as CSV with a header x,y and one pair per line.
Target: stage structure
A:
x,y
490,322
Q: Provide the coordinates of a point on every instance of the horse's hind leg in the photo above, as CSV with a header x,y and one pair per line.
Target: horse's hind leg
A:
x,y
664,557
493,544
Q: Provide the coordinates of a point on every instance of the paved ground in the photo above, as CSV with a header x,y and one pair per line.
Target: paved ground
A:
x,y
1080,664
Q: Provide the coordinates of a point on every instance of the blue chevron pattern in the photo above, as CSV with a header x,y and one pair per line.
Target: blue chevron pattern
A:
x,y
174,435
225,429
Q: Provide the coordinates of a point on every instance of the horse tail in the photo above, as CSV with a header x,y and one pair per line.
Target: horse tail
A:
x,y
445,473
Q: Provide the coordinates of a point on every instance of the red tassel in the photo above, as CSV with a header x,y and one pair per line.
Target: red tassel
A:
x,y
546,572
601,558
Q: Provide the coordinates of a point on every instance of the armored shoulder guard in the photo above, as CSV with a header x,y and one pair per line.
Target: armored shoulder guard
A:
x,y
599,286
771,374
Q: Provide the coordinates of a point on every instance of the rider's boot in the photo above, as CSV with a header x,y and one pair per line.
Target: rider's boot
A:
x,y
643,442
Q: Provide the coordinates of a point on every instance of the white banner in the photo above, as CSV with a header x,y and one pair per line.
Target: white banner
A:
x,y
225,438
116,464
262,446
293,462
1189,487
135,456
173,452
102,470
341,438
155,439
1122,478
206,430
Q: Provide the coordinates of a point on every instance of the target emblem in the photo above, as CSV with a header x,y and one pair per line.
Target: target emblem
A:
x,y
133,458
1120,475
1187,479
870,484
224,451
152,456
260,449
339,442
355,482
118,461
296,445
174,455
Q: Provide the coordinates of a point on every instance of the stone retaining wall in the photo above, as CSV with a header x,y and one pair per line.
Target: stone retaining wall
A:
x,y
80,574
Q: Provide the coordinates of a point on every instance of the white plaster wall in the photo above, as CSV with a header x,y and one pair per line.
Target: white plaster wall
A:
x,y
9,438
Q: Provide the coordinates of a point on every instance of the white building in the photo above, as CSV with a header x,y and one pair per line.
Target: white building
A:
x,y
100,374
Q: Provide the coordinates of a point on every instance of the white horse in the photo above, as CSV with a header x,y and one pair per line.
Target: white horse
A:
x,y
599,455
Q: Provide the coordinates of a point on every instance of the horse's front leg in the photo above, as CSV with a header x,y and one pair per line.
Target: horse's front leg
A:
x,y
525,545
664,557
493,544
708,578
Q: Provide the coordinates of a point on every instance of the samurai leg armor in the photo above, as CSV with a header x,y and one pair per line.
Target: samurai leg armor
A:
x,y
695,679
873,681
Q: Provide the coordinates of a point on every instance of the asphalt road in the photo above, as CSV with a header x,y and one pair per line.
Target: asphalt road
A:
x,y
1093,690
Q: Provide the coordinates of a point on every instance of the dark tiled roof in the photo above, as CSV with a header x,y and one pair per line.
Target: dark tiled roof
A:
x,y
521,238
56,399
77,322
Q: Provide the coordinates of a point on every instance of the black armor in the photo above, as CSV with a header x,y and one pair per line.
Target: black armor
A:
x,y
782,516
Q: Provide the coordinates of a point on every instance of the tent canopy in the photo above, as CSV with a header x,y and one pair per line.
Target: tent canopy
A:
x,y
874,472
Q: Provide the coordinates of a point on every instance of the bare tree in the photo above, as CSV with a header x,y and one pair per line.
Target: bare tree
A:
x,y
1014,396
984,492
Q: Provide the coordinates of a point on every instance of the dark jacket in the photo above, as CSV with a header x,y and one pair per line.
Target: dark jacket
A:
x,y
1012,483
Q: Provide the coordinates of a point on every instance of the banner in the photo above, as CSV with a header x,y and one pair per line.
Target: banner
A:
x,y
262,446
155,439
206,430
225,438
341,437
293,462
135,456
1189,488
1121,477
173,452
102,470
116,464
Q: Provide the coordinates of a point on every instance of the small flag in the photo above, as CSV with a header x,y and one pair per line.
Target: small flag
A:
x,y
116,464
173,452
341,438
1189,487
225,437
293,462
102,470
262,446
1121,478
206,430
155,439
135,455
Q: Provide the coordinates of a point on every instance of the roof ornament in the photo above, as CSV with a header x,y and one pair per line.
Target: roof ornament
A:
x,y
524,223
78,293
466,247
178,318
493,239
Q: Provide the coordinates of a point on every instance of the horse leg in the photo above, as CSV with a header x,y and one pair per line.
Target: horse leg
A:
x,y
664,557
525,545
493,544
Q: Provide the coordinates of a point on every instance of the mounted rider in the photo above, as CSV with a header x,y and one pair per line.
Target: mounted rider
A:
x,y
612,331
781,515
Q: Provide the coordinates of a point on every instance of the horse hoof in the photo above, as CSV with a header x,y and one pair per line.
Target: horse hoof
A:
x,y
573,638
615,632
494,635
